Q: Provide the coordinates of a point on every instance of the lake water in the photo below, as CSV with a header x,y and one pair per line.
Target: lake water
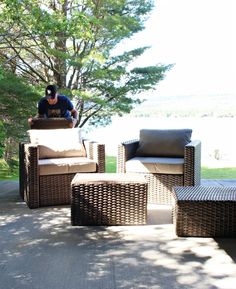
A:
x,y
216,134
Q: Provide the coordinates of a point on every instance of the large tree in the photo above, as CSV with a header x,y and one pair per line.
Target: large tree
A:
x,y
71,43
17,100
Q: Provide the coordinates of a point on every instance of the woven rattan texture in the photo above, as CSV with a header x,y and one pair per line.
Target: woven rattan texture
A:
x,y
31,177
109,204
50,123
38,191
205,211
21,169
192,164
55,190
160,186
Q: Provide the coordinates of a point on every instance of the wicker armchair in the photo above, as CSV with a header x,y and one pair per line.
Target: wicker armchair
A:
x,y
46,173
162,172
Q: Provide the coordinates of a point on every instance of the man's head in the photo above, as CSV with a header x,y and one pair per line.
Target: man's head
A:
x,y
51,94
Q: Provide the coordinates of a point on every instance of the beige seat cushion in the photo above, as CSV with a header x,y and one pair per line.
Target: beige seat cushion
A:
x,y
155,165
66,165
58,150
107,178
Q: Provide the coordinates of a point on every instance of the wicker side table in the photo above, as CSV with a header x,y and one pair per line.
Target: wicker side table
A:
x,y
108,199
205,211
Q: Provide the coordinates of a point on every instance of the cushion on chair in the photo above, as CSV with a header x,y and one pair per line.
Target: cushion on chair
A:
x,y
163,143
40,136
58,143
66,166
155,165
58,150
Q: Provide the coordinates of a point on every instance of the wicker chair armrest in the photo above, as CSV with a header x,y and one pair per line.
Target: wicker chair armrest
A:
x,y
192,163
31,195
96,151
22,169
126,151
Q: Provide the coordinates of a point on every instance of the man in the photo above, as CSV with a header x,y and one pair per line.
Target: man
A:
x,y
56,105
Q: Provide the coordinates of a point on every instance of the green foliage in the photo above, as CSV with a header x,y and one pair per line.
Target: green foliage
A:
x,y
2,139
18,101
71,43
9,171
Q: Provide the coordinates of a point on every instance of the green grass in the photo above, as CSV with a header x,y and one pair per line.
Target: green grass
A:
x,y
7,173
206,173
110,164
218,173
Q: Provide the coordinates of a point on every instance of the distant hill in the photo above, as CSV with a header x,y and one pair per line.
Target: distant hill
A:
x,y
218,105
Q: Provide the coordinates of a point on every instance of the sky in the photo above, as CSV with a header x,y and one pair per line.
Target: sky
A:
x,y
199,37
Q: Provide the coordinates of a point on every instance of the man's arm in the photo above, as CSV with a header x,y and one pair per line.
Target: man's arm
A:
x,y
31,121
74,115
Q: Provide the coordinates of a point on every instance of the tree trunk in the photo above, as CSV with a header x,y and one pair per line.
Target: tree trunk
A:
x,y
60,63
60,71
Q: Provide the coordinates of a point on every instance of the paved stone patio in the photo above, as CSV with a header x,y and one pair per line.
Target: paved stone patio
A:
x,y
39,249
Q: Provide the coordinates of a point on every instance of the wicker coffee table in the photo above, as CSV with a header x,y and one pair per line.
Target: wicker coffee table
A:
x,y
108,199
205,211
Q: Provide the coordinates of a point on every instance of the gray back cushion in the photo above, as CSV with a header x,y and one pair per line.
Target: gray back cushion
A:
x,y
163,143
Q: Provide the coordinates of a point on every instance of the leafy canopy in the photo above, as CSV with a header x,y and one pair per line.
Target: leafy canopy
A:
x,y
71,43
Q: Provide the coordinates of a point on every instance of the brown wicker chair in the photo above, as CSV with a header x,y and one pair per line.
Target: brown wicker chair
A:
x,y
43,183
161,183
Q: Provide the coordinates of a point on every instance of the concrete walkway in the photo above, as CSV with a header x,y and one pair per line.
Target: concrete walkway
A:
x,y
39,249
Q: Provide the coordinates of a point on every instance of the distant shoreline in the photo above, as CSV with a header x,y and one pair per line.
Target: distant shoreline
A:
x,y
197,105
215,133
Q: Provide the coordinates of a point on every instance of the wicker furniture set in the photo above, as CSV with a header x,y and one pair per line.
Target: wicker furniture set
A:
x,y
205,211
49,162
108,199
166,158
161,167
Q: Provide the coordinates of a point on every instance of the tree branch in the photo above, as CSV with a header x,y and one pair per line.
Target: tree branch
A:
x,y
30,67
89,116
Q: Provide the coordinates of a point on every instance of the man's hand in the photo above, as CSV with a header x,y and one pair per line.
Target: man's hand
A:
x,y
74,115
30,121
73,122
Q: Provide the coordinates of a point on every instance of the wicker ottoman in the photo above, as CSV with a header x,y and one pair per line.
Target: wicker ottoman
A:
x,y
108,199
205,211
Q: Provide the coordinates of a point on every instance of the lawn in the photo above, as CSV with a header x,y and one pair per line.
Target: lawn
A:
x,y
110,164
218,173
8,174
206,173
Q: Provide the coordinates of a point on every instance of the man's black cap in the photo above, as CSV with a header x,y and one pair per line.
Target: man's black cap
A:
x,y
51,91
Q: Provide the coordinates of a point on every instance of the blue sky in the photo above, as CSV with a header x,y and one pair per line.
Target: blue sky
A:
x,y
199,36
